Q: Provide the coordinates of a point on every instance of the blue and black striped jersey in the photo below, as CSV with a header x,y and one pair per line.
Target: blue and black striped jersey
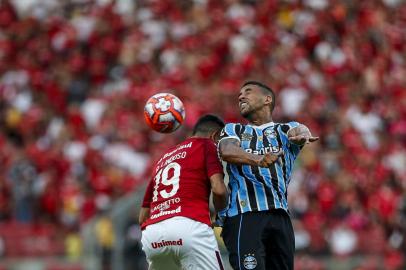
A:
x,y
254,188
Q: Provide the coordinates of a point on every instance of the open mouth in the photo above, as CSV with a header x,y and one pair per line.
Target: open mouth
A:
x,y
243,105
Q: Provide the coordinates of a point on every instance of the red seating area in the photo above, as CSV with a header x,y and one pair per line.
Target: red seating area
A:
x,y
63,267
30,240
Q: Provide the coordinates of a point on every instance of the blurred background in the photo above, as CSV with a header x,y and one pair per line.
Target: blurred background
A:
x,y
75,152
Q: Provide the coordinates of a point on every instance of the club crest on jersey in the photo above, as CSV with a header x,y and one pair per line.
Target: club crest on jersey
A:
x,y
250,262
246,137
270,133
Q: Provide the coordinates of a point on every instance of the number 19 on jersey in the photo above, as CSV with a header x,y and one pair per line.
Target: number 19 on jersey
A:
x,y
162,177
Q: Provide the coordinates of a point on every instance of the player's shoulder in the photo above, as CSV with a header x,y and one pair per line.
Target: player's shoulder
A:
x,y
184,145
195,141
232,125
231,130
196,145
236,127
189,143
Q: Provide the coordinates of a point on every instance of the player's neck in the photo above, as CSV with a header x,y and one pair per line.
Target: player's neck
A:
x,y
260,117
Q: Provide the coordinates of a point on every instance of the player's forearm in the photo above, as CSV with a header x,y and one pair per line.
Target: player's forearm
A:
x,y
219,191
301,135
220,201
232,153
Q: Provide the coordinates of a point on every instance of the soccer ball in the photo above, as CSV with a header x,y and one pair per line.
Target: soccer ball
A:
x,y
164,112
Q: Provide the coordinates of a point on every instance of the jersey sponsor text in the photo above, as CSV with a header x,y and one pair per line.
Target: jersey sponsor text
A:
x,y
164,213
164,243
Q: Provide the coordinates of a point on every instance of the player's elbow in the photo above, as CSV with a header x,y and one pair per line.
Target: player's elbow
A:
x,y
143,216
227,152
229,149
226,157
140,219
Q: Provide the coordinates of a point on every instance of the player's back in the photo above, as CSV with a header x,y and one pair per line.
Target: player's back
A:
x,y
180,185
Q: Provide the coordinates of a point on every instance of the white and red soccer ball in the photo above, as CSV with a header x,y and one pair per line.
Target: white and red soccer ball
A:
x,y
164,112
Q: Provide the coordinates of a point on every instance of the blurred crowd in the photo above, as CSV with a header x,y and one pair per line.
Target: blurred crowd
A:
x,y
74,77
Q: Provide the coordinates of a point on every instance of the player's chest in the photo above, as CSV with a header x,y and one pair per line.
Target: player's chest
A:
x,y
260,141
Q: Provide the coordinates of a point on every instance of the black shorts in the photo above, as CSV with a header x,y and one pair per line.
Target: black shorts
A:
x,y
260,240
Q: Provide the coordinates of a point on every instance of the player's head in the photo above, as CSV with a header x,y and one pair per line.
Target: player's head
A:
x,y
208,126
255,96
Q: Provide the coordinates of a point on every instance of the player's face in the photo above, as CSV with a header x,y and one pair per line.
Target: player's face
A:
x,y
250,100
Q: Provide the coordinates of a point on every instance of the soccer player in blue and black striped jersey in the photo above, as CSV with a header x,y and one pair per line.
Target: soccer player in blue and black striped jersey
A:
x,y
258,160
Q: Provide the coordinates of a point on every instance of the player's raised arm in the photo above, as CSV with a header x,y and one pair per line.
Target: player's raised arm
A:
x,y
230,151
301,135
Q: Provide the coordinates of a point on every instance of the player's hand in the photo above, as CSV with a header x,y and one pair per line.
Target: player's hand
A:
x,y
303,139
269,158
301,135
219,222
220,217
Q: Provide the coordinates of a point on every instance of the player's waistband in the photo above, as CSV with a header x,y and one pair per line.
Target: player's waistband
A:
x,y
271,210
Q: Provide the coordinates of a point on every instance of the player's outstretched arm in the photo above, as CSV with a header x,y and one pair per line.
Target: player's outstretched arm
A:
x,y
301,135
219,191
230,151
144,215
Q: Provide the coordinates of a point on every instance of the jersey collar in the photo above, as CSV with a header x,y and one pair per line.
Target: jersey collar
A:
x,y
266,125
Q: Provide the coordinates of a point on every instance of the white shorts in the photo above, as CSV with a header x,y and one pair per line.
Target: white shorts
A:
x,y
181,243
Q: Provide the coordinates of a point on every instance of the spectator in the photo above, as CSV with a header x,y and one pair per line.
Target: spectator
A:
x,y
74,76
105,238
22,177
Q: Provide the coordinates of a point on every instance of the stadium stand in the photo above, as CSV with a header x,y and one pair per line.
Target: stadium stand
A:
x,y
74,76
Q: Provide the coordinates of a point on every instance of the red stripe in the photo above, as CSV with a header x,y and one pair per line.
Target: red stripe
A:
x,y
219,260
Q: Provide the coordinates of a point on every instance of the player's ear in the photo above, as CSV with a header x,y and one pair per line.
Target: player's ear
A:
x,y
215,135
268,100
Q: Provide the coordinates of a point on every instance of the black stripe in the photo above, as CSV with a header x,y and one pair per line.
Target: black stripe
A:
x,y
260,178
250,190
250,184
238,187
285,175
241,130
274,175
237,129
268,192
285,128
219,260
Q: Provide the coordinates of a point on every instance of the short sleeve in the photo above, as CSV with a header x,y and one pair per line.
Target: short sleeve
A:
x,y
284,128
146,203
213,164
293,124
230,131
